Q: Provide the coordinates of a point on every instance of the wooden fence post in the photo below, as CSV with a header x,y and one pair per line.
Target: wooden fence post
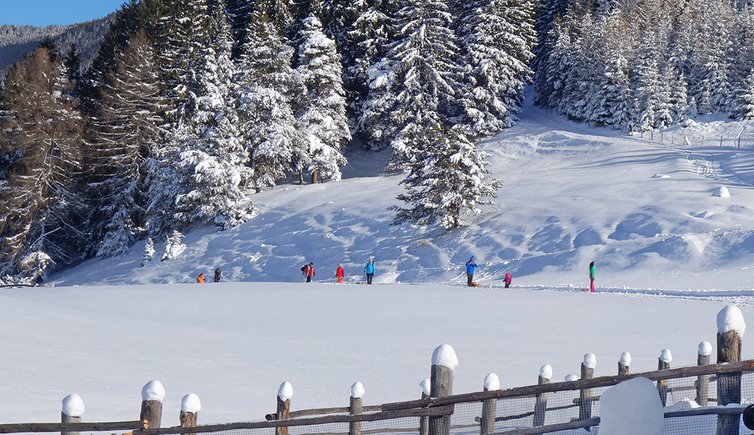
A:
x,y
73,409
721,141
540,404
702,382
444,363
190,407
357,392
489,406
585,395
285,392
624,363
426,386
663,363
730,330
152,395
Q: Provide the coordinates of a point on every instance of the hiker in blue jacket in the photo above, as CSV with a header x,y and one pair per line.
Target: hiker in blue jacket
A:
x,y
369,270
470,267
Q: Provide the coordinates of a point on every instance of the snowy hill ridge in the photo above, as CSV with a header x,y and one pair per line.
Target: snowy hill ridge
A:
x,y
649,214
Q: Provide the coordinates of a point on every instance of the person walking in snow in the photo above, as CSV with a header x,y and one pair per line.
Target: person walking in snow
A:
x,y
369,270
508,279
218,275
592,274
339,274
200,278
470,267
309,272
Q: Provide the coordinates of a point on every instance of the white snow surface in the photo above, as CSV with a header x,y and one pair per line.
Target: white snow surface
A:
x,y
669,257
285,392
571,377
722,192
631,407
590,360
625,359
445,356
731,318
491,382
191,403
705,348
666,356
73,405
153,390
357,390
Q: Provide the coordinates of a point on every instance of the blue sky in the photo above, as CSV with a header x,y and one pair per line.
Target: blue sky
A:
x,y
46,12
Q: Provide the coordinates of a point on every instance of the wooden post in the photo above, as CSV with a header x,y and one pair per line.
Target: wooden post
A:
x,y
444,363
489,406
702,140
702,382
285,392
424,421
721,141
624,363
730,328
663,363
540,404
662,136
585,395
190,407
152,394
73,408
357,392
315,176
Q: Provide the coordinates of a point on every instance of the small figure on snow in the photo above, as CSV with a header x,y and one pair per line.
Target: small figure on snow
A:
x,y
470,267
508,279
369,270
308,271
200,278
592,274
218,275
339,274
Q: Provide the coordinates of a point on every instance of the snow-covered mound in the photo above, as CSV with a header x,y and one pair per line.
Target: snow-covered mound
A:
x,y
640,208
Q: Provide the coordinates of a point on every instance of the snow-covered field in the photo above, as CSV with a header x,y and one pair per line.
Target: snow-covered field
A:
x,y
670,252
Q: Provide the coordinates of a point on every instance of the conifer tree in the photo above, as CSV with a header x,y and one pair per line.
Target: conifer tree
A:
x,y
322,112
266,84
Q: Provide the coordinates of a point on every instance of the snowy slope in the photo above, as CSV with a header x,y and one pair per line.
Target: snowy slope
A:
x,y
647,212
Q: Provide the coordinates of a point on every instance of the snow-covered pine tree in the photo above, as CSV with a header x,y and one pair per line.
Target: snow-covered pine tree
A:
x,y
645,85
213,160
555,66
127,130
742,66
497,38
41,206
445,180
423,77
149,251
265,86
174,246
321,112
367,43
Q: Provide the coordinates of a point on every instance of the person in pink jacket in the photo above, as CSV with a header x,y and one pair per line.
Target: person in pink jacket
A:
x,y
508,279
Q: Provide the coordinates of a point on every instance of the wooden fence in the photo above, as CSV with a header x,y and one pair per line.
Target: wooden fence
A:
x,y
434,412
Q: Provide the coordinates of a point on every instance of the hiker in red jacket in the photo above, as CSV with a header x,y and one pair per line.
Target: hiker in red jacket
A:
x,y
309,272
339,274
508,279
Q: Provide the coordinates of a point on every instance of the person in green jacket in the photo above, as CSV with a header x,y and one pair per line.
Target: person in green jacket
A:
x,y
592,274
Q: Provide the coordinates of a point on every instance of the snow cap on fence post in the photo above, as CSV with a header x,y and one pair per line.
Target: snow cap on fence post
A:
x,y
445,356
285,392
73,408
356,407
585,395
73,405
545,372
152,395
705,348
731,318
571,377
357,390
590,361
426,386
624,364
491,382
190,407
666,356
